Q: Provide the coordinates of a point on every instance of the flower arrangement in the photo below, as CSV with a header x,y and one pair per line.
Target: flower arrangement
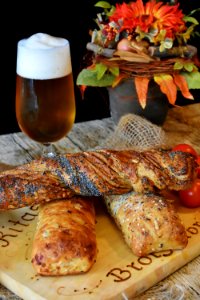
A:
x,y
143,42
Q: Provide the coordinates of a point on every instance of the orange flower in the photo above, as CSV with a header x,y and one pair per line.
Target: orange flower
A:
x,y
150,17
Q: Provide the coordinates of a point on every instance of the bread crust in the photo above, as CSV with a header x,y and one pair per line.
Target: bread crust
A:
x,y
95,173
149,223
65,238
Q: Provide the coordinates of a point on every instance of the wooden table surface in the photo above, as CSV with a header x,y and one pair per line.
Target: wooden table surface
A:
x,y
182,125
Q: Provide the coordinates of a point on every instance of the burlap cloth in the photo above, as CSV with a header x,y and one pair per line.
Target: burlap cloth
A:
x,y
182,125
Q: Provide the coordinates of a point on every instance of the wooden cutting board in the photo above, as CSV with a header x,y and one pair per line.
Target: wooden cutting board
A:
x,y
117,273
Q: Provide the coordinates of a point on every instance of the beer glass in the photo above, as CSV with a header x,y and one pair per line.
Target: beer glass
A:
x,y
45,102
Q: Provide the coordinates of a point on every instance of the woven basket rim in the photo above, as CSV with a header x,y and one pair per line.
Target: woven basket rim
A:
x,y
144,69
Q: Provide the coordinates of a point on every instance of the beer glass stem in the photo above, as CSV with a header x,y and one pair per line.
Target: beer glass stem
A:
x,y
48,150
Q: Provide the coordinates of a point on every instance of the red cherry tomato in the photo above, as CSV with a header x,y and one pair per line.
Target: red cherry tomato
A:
x,y
185,148
191,196
198,171
198,168
198,160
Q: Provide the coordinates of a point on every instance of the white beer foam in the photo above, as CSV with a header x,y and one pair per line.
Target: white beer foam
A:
x,y
43,56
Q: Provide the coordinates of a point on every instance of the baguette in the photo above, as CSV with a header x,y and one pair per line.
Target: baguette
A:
x,y
149,223
65,238
95,173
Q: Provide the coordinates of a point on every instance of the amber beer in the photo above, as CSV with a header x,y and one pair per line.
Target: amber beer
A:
x,y
45,104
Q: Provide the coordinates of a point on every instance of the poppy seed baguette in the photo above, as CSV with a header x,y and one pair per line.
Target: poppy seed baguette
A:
x,y
95,173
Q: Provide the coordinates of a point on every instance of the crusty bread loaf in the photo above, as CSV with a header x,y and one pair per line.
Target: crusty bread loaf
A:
x,y
65,239
95,173
148,222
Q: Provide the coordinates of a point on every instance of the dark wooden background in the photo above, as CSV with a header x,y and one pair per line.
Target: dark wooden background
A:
x,y
68,19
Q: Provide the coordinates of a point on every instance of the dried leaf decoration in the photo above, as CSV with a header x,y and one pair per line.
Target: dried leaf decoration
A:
x,y
167,86
181,83
131,56
141,85
82,90
118,80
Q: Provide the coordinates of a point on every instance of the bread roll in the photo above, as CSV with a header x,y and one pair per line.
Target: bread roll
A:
x,y
148,222
65,239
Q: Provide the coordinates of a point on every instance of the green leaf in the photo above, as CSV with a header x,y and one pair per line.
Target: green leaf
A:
x,y
187,33
191,20
103,4
162,47
193,79
89,78
189,67
161,35
111,11
114,71
197,33
193,11
178,65
100,70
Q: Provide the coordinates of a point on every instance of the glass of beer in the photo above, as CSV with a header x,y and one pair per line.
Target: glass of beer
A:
x,y
45,101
